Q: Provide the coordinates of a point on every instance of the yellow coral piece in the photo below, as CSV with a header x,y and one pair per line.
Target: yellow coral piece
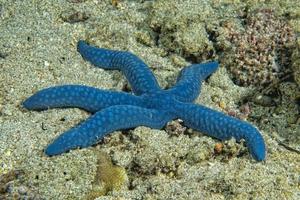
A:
x,y
108,177
115,2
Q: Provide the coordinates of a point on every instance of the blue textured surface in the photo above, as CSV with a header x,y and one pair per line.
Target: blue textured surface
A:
x,y
152,107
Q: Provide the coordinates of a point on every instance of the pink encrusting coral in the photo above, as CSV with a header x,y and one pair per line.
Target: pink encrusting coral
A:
x,y
260,50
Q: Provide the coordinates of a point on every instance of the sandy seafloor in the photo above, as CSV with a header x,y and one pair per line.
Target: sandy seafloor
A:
x,y
38,50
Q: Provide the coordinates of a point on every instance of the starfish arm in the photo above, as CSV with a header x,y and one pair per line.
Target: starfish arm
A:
x,y
188,84
223,127
104,122
79,96
136,71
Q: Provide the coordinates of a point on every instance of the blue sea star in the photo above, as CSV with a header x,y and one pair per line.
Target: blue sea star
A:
x,y
150,106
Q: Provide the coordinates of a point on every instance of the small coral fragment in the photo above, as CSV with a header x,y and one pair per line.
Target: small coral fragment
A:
x,y
108,177
218,148
115,2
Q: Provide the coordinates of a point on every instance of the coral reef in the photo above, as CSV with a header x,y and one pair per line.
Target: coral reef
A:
x,y
258,48
254,44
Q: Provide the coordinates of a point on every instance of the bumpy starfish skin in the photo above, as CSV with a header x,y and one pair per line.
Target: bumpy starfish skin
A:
x,y
150,106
